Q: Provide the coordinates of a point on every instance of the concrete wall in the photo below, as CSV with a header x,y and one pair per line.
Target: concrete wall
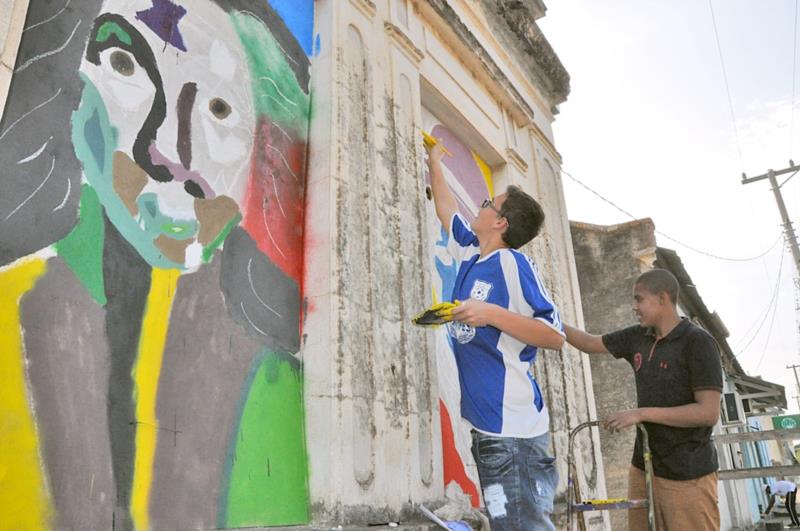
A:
x,y
151,246
384,430
609,259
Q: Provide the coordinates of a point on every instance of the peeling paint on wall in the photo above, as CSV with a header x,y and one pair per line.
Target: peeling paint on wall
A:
x,y
356,340
151,216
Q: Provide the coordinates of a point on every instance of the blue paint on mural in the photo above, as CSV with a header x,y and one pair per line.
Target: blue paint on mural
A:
x,y
299,18
96,141
447,272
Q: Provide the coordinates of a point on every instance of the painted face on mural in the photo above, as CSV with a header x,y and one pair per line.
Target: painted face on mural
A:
x,y
168,100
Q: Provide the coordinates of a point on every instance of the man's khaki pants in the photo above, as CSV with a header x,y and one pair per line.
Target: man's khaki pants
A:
x,y
679,505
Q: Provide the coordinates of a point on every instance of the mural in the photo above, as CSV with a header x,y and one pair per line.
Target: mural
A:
x,y
470,179
152,181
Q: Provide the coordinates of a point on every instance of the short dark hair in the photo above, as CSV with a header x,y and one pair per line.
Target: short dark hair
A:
x,y
660,281
524,215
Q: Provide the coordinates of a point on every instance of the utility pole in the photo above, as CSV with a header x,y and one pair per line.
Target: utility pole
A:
x,y
788,230
797,381
791,237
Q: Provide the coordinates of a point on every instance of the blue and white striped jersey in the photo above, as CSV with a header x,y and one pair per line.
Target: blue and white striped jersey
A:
x,y
498,394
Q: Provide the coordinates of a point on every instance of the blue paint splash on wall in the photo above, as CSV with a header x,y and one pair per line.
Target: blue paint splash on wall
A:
x,y
447,272
299,18
94,137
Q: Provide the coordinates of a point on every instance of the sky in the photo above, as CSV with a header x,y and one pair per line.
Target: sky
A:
x,y
650,127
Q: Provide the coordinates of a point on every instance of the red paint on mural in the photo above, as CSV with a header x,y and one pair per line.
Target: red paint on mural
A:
x,y
275,199
453,465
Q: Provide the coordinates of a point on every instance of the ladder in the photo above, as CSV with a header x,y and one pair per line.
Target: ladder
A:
x,y
575,504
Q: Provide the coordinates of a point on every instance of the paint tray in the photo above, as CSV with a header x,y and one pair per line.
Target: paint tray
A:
x,y
435,315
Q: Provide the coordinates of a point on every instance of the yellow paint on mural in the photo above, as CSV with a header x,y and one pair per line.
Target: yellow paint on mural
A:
x,y
24,500
487,174
146,373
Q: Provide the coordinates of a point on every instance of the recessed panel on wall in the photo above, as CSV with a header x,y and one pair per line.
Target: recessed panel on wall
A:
x,y
470,180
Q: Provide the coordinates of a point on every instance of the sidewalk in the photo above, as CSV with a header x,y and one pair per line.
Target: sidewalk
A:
x,y
775,522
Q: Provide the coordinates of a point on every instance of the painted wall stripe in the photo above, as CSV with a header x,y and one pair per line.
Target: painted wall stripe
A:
x,y
146,373
24,500
486,171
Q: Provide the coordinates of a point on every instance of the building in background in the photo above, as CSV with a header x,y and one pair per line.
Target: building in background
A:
x,y
214,231
609,259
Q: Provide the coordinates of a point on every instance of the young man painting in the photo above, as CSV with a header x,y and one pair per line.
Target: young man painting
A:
x,y
678,383
504,316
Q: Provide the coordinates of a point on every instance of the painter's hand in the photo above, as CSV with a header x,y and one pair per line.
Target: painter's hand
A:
x,y
623,419
435,153
473,312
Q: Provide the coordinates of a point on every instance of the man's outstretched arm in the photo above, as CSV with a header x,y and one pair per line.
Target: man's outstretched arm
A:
x,y
526,329
584,341
443,198
704,411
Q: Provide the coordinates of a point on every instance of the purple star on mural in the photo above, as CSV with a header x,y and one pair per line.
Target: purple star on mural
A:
x,y
163,19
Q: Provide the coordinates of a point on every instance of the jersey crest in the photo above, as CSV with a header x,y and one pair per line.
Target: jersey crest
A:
x,y
461,332
480,290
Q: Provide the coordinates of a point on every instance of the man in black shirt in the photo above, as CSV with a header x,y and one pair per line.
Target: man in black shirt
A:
x,y
678,383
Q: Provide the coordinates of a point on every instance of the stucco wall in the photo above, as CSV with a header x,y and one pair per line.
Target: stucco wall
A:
x,y
395,68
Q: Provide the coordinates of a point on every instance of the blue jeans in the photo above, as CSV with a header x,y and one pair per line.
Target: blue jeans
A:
x,y
518,479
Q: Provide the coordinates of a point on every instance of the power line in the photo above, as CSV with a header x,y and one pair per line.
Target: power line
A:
x,y
765,311
727,85
670,238
773,307
769,330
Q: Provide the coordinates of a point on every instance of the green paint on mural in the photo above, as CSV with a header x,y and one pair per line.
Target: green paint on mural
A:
x,y
82,248
268,482
208,250
112,28
276,92
94,139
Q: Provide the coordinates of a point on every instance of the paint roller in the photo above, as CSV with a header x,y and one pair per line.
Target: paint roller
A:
x,y
439,313
431,141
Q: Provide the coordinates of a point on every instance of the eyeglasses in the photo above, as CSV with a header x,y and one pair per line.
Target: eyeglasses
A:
x,y
489,203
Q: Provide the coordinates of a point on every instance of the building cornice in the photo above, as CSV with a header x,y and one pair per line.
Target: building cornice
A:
x,y
477,58
534,52
404,42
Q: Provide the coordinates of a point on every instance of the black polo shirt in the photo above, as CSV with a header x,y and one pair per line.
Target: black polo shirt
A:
x,y
668,371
